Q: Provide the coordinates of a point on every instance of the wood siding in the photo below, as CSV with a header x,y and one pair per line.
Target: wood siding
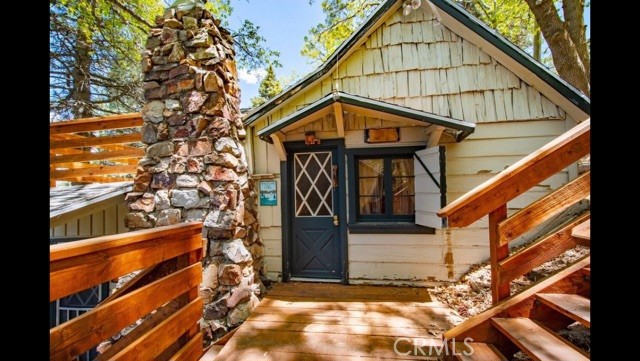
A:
x,y
416,61
102,222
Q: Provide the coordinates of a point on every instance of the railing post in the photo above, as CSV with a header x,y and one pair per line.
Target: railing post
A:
x,y
499,291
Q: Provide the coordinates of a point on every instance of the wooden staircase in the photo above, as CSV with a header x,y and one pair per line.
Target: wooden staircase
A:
x,y
529,321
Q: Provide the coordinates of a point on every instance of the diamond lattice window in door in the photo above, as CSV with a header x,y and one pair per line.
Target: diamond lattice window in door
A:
x,y
313,185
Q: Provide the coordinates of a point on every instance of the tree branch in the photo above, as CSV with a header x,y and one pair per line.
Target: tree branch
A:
x,y
131,13
563,50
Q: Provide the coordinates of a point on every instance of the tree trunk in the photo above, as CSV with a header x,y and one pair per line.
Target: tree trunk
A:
x,y
573,11
81,92
537,44
565,54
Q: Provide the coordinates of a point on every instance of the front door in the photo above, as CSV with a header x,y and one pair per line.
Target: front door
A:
x,y
316,246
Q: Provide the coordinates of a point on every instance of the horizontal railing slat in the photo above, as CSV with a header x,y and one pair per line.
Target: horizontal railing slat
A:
x,y
78,248
105,258
95,141
83,332
119,121
544,208
163,335
92,171
73,144
539,252
192,351
88,156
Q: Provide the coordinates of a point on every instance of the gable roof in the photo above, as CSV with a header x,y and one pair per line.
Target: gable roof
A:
x,y
454,11
65,202
353,102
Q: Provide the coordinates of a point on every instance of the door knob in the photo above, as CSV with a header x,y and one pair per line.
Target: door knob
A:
x,y
335,220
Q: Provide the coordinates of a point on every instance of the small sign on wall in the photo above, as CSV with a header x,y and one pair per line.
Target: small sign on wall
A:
x,y
382,135
268,193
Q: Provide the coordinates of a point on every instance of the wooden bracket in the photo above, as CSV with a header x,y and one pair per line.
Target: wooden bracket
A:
x,y
278,142
337,108
434,132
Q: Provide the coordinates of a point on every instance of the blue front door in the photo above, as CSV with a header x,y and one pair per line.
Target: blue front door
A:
x,y
316,244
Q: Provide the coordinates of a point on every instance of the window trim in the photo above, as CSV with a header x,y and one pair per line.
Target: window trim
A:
x,y
381,223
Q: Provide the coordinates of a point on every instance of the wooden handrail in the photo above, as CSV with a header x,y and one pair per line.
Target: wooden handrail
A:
x,y
76,266
519,177
491,197
62,251
79,150
120,121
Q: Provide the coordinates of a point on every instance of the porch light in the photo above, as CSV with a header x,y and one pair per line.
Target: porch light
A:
x,y
310,138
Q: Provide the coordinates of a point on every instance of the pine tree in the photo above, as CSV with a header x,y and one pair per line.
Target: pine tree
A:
x,y
269,87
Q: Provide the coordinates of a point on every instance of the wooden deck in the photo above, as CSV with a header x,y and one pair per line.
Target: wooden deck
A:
x,y
316,321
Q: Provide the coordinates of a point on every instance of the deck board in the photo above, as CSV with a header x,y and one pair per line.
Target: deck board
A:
x,y
316,321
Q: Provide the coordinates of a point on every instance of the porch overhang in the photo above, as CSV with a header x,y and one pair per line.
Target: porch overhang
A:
x,y
340,101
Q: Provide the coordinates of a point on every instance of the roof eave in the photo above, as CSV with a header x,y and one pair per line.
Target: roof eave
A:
x,y
465,128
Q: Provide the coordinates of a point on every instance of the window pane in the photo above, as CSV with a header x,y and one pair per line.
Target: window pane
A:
x,y
371,187
371,205
403,186
403,205
370,167
402,167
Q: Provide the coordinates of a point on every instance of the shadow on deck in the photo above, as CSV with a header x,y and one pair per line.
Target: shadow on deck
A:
x,y
320,321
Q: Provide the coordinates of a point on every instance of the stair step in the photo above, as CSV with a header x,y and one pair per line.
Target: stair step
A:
x,y
537,342
583,230
478,351
574,306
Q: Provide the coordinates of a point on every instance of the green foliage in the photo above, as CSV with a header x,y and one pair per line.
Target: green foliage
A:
x,y
512,19
252,54
95,52
269,87
342,17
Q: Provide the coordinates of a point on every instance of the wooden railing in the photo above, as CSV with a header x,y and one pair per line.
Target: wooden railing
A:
x,y
172,254
491,198
81,152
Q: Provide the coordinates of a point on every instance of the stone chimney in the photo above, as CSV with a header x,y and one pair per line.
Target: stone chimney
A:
x,y
195,168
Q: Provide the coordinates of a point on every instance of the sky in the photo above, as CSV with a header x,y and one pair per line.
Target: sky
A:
x,y
283,23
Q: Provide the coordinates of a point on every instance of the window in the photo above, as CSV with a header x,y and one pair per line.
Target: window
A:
x,y
385,188
382,190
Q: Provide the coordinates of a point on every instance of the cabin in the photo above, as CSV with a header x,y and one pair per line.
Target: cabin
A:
x,y
409,113
425,144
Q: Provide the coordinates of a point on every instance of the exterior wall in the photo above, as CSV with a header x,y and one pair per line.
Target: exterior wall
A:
x,y
102,222
265,164
488,151
423,259
419,63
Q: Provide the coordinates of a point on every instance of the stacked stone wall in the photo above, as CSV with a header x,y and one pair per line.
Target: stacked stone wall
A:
x,y
195,168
